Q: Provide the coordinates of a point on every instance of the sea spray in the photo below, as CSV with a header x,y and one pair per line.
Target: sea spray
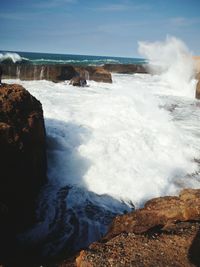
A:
x,y
14,57
172,60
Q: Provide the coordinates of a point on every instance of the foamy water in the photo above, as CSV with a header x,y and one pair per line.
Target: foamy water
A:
x,y
111,145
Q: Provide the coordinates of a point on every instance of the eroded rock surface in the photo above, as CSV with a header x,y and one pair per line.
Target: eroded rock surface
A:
x,y
166,232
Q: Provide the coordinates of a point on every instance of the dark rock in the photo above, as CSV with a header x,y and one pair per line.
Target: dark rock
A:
x,y
78,81
125,68
22,156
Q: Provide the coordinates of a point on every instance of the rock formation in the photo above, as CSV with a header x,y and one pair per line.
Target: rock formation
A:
x,y
166,232
198,86
197,76
95,73
55,73
22,159
125,68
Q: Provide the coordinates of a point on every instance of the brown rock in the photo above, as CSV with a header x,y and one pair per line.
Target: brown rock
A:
x,y
166,232
97,74
55,73
22,156
198,86
125,68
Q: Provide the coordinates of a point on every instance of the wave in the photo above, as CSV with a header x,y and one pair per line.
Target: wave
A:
x,y
172,60
68,61
14,57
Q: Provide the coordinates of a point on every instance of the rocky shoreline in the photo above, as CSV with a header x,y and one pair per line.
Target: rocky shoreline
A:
x,y
166,232
60,72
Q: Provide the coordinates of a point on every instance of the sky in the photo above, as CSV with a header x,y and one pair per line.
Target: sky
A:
x,y
96,27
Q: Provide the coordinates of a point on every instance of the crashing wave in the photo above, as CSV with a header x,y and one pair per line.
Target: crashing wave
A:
x,y
14,57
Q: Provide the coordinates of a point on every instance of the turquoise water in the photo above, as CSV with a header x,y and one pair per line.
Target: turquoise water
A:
x,y
44,58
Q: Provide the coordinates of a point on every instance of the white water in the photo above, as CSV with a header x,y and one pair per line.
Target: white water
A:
x,y
131,140
10,56
115,139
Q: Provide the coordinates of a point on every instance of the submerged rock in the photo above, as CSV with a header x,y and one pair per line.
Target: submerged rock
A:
x,y
22,160
78,81
166,232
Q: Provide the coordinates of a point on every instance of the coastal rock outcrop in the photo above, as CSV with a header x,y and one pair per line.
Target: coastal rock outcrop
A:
x,y
166,232
95,73
125,68
22,157
55,73
197,76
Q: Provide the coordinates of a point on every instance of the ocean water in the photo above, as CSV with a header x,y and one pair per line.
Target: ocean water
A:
x,y
45,58
111,147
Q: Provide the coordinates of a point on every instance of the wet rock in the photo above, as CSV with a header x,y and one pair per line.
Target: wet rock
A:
x,y
78,81
166,232
55,73
22,159
95,73
125,68
198,86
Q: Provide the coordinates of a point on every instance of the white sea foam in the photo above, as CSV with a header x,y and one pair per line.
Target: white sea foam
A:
x,y
115,138
10,56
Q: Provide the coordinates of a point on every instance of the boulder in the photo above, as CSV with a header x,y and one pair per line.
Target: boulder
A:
x,y
22,157
166,232
99,74
125,68
78,81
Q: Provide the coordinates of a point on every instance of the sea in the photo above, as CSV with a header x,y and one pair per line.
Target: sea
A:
x,y
111,147
45,59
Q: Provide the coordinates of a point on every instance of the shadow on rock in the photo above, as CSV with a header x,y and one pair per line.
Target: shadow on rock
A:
x,y
194,251
70,217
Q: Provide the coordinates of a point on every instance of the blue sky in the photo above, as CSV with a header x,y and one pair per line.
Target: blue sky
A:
x,y
105,27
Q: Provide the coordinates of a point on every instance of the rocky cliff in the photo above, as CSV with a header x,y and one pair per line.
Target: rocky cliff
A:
x,y
166,232
22,160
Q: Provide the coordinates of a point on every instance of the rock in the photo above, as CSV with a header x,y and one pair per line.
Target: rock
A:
x,y
99,74
94,73
55,73
125,68
22,157
38,72
166,232
78,81
198,86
